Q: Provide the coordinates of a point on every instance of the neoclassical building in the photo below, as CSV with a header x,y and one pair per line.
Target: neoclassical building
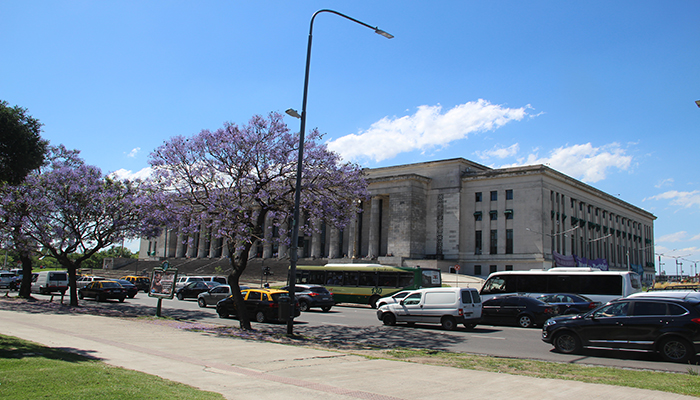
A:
x,y
459,215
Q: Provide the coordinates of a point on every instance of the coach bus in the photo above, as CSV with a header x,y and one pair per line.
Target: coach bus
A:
x,y
593,283
366,283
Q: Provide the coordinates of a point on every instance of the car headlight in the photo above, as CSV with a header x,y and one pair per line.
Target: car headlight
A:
x,y
549,322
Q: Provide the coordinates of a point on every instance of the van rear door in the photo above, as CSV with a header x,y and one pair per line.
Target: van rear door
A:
x,y
471,304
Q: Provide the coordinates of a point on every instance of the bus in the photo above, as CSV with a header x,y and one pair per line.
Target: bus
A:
x,y
593,283
367,283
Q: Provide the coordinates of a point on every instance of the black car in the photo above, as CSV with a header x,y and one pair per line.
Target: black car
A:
x,y
666,323
521,310
194,288
568,303
313,296
103,290
261,305
131,289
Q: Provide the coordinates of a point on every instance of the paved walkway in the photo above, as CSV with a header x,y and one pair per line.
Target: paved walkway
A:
x,y
244,369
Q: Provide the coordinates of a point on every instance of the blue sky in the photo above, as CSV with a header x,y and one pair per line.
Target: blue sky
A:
x,y
602,91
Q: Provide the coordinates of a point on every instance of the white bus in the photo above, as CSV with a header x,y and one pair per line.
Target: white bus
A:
x,y
593,283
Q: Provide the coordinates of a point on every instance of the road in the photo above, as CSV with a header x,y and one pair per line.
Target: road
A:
x,y
359,324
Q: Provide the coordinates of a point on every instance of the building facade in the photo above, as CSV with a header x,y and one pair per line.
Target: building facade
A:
x,y
458,215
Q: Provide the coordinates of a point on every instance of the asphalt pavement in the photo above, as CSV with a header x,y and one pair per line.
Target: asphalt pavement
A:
x,y
242,368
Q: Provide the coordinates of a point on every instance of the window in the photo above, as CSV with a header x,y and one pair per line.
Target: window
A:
x,y
494,215
509,194
509,241
509,267
477,270
477,243
509,214
494,242
493,268
477,216
414,298
494,195
477,197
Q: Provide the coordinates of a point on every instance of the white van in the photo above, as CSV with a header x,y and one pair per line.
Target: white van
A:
x,y
184,280
447,306
221,279
49,282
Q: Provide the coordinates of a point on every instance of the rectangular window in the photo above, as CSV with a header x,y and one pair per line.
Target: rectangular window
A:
x,y
509,267
477,216
493,245
477,243
493,215
509,214
494,195
509,241
509,194
477,270
493,268
477,197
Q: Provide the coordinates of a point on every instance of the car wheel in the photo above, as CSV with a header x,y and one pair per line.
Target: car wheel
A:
x,y
132,296
389,319
260,316
373,301
448,323
469,326
525,321
180,296
303,306
567,343
223,313
326,308
202,303
121,299
675,349
81,296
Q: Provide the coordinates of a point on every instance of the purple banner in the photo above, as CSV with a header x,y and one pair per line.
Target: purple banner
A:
x,y
581,262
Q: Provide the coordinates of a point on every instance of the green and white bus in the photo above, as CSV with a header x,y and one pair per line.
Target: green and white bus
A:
x,y
367,283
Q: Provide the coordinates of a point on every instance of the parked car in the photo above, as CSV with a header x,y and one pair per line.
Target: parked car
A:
x,y
261,305
394,298
6,278
568,303
667,323
82,281
46,282
524,311
184,280
194,288
215,294
103,290
131,289
313,296
221,279
447,306
141,282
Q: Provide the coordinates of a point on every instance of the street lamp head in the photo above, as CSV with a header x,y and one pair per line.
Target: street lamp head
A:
x,y
293,113
390,36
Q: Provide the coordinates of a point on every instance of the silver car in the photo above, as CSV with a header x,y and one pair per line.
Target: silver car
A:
x,y
213,295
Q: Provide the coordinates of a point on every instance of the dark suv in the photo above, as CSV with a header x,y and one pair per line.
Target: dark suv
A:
x,y
667,323
313,296
524,311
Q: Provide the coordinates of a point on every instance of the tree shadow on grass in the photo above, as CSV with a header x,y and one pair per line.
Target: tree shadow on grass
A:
x,y
14,348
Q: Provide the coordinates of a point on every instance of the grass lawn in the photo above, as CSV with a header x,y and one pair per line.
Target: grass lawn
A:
x,y
31,371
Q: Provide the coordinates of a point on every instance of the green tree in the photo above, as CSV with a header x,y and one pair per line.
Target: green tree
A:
x,y
21,147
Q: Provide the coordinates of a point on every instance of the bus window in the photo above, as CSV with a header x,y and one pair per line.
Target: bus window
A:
x,y
368,279
302,277
388,279
335,278
351,278
494,285
531,283
431,278
317,277
405,279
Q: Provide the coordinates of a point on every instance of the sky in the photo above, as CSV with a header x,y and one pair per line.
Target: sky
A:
x,y
602,91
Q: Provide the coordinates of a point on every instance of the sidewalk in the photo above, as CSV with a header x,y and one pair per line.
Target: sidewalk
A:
x,y
244,369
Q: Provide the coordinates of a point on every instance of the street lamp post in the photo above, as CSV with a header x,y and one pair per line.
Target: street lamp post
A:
x,y
297,191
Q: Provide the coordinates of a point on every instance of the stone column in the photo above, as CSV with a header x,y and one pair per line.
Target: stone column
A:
x,y
316,241
334,248
267,246
180,249
283,248
374,233
202,242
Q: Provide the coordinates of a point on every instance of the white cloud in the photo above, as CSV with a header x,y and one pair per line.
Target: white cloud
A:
x,y
683,199
672,237
133,152
425,129
665,182
499,152
124,174
582,161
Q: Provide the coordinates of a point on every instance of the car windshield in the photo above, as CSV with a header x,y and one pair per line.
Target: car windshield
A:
x,y
111,284
319,289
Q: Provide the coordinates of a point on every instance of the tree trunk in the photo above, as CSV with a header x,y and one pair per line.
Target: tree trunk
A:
x,y
238,266
25,290
72,289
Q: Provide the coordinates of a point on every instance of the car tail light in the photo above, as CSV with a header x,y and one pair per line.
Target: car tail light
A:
x,y
461,312
696,320
312,294
592,305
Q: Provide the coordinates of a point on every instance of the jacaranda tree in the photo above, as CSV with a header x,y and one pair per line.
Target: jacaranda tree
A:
x,y
227,183
71,208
